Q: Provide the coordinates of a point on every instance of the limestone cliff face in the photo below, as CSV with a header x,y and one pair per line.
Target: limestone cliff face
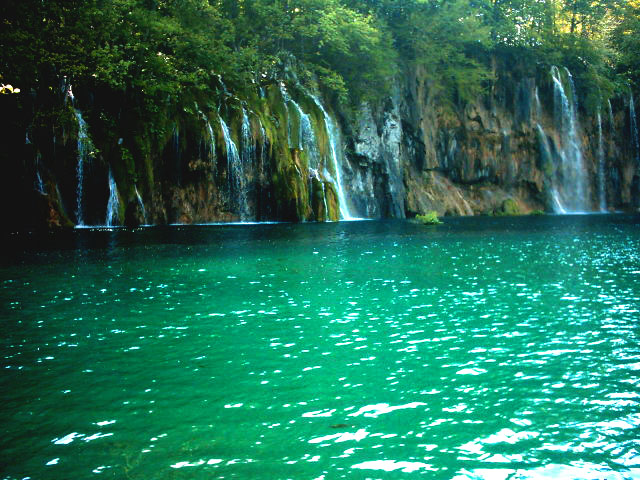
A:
x,y
509,144
279,152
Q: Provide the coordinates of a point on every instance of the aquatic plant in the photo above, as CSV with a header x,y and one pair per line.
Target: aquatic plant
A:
x,y
429,218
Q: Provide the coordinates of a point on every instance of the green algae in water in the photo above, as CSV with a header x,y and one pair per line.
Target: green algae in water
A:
x,y
485,348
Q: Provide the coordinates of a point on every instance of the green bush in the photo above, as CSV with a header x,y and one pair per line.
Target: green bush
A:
x,y
509,208
429,218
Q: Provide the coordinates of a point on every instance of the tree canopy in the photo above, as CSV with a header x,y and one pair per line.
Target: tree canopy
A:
x,y
161,49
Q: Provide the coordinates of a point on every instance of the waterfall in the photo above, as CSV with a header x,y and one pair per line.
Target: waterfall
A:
x,y
547,159
39,184
574,95
235,173
177,154
212,141
113,205
263,151
324,199
570,179
538,106
602,200
611,125
224,87
633,126
306,136
287,99
84,147
141,203
248,145
302,116
332,132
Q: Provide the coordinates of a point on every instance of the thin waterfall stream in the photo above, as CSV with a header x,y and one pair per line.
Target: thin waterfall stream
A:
x,y
633,125
84,147
212,141
236,181
570,179
113,205
345,214
602,199
141,205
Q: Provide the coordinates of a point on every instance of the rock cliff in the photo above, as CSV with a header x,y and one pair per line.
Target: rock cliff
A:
x,y
278,152
512,143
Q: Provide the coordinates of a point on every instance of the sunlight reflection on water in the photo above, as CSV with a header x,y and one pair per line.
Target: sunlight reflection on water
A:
x,y
480,349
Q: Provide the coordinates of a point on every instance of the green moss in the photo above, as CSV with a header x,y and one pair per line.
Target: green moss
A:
x,y
509,208
293,126
290,166
429,218
537,212
317,200
333,205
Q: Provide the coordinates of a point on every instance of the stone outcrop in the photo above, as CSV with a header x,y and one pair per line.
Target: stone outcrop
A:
x,y
274,154
468,160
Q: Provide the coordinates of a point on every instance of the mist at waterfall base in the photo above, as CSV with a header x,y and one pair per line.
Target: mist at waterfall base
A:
x,y
479,349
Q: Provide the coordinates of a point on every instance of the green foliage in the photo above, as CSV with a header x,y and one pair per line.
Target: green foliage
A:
x,y
509,208
448,40
156,50
625,38
429,218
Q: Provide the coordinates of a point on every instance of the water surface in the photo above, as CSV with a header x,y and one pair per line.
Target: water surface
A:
x,y
483,348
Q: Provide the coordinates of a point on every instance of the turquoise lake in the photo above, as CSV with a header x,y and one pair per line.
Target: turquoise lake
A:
x,y
483,348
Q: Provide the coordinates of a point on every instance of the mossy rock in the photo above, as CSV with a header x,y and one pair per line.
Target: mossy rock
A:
x,y
429,218
333,204
509,208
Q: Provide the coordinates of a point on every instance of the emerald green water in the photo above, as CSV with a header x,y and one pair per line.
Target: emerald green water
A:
x,y
478,349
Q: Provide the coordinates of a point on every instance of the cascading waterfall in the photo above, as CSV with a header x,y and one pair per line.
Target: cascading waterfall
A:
x,y
248,145
633,125
307,142
538,105
263,151
236,180
84,147
39,184
287,99
332,132
611,125
141,204
570,179
602,200
307,137
212,141
574,95
248,158
547,159
324,200
177,153
113,205
302,116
